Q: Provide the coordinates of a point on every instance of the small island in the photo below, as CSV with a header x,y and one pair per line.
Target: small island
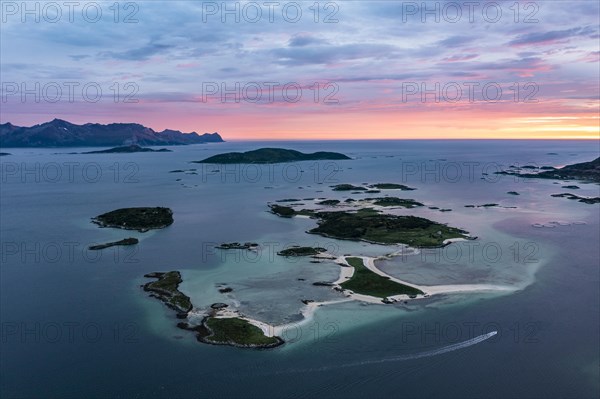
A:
x,y
141,219
482,206
391,186
347,187
126,150
237,332
237,245
586,171
271,155
166,289
585,200
394,201
329,202
368,225
125,241
301,251
215,330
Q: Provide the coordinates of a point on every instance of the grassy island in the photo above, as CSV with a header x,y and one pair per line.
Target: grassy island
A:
x,y
236,332
166,289
365,282
301,251
367,224
271,155
141,219
385,229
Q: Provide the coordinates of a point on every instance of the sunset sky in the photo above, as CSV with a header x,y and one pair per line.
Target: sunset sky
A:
x,y
175,58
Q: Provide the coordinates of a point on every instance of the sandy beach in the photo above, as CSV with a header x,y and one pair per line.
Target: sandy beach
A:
x,y
346,272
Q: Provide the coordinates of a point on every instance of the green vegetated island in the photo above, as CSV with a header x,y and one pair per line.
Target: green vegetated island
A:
x,y
371,225
271,155
221,331
232,331
221,327
362,224
141,219
374,227
364,281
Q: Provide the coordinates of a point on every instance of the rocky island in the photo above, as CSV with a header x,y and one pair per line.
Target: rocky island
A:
x,y
166,289
372,188
391,186
141,219
125,241
587,171
237,245
585,200
271,155
215,329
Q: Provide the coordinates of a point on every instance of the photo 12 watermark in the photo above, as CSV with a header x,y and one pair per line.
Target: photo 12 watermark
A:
x,y
252,12
469,92
69,92
452,12
317,172
57,12
23,253
71,172
316,251
68,332
269,92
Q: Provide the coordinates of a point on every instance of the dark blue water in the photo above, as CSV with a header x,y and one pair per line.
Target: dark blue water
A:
x,y
77,326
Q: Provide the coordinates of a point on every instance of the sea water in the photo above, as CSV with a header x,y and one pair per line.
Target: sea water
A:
x,y
75,323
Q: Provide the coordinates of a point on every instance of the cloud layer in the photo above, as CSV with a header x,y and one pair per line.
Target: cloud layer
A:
x,y
341,70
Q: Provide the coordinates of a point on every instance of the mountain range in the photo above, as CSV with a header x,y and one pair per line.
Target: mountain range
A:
x,y
60,133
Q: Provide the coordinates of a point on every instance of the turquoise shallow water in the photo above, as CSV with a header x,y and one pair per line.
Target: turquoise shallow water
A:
x,y
75,325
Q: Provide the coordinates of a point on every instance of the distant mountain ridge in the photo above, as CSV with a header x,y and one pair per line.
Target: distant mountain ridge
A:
x,y
60,133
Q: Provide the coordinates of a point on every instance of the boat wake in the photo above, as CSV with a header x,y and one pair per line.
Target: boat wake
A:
x,y
429,353
433,352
